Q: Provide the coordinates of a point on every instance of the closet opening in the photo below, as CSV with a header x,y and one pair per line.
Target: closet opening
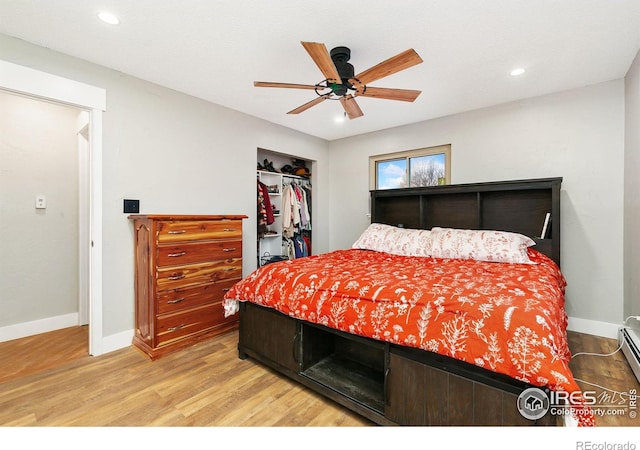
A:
x,y
284,213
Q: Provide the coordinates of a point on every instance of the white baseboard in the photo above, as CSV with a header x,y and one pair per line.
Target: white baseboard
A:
x,y
594,327
25,329
117,341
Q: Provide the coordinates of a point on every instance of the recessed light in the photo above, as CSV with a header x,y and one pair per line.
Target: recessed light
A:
x,y
516,72
109,18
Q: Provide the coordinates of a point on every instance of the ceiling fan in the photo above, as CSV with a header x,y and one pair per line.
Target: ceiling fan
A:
x,y
341,84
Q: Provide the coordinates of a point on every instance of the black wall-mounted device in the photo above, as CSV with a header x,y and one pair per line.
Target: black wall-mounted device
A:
x,y
131,206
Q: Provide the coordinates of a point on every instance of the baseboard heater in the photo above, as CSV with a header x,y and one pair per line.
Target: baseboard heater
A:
x,y
630,344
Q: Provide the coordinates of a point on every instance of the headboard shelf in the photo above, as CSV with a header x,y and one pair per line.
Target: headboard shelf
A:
x,y
518,206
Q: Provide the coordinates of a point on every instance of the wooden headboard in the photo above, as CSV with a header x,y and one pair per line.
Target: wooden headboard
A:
x,y
518,206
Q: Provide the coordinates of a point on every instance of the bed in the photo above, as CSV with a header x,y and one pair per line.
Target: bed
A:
x,y
447,310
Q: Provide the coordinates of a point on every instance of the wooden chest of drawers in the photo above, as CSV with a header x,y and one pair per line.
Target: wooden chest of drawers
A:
x,y
183,266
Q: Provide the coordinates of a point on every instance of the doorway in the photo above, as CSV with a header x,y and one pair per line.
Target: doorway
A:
x,y
39,214
32,83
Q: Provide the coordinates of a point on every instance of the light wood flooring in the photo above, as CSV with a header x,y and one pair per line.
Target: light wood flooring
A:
x,y
609,377
203,385
49,380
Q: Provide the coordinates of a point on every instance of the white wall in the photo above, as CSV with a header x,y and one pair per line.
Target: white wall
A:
x,y
632,192
577,135
38,156
176,154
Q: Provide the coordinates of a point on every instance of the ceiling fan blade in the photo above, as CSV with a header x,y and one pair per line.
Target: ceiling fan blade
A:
x,y
405,95
308,105
404,60
284,85
351,106
322,58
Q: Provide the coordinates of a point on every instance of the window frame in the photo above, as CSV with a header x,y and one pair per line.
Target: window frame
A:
x,y
407,155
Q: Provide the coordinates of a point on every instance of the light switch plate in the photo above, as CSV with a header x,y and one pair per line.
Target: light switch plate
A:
x,y
41,202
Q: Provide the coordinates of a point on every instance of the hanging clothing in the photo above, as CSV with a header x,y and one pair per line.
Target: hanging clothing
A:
x,y
304,209
262,212
290,211
288,248
300,197
307,241
307,191
267,202
300,246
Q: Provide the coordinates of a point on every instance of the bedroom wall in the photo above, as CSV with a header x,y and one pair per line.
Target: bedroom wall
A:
x,y
577,134
631,190
177,154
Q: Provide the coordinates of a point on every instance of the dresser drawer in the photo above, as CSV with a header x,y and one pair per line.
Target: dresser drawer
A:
x,y
183,276
178,299
196,252
177,326
192,230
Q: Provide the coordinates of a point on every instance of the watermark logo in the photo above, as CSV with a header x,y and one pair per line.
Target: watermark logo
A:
x,y
534,403
591,445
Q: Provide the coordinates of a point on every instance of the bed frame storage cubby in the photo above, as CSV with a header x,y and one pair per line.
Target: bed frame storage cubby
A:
x,y
391,384
345,368
350,365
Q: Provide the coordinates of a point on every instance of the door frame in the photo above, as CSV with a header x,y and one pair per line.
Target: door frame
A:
x,y
30,82
84,234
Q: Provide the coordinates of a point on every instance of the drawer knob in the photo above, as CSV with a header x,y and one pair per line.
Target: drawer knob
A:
x,y
177,300
229,229
177,327
177,232
175,255
228,249
177,277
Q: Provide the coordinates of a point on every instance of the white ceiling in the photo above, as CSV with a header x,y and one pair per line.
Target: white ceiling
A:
x,y
215,49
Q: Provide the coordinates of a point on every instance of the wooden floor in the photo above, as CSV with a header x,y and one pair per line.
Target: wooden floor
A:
x,y
609,377
49,380
39,353
204,385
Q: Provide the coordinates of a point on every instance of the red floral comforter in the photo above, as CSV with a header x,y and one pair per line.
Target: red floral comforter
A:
x,y
508,318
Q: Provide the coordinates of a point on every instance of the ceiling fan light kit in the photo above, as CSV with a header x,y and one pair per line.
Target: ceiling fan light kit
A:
x,y
342,84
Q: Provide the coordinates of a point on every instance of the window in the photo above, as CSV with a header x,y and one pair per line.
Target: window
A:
x,y
415,168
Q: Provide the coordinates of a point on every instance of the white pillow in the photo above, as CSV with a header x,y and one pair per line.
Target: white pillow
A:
x,y
481,245
395,240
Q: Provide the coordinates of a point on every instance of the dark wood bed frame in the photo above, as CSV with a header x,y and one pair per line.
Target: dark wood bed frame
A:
x,y
395,385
